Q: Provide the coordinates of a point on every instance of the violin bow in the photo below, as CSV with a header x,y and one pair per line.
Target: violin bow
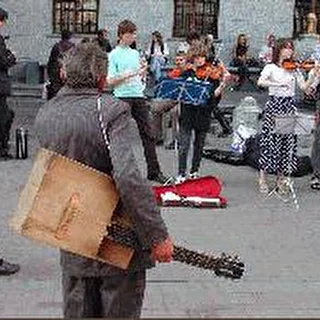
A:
x,y
223,266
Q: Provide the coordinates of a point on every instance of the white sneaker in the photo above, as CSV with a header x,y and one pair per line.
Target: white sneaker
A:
x,y
194,175
180,178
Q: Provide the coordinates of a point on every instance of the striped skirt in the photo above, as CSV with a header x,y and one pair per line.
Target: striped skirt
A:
x,y
278,152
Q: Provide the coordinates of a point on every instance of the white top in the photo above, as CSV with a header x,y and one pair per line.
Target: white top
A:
x,y
157,50
266,54
183,47
272,72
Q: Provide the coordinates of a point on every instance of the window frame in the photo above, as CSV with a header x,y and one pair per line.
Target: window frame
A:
x,y
75,28
300,14
190,17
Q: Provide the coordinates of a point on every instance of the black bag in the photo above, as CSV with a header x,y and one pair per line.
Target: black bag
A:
x,y
251,157
224,156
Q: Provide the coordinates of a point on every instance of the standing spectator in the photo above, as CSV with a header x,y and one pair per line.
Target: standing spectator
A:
x,y
103,41
125,74
266,53
69,125
7,60
278,152
157,54
54,66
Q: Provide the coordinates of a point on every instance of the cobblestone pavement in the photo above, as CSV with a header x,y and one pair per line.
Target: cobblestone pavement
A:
x,y
279,245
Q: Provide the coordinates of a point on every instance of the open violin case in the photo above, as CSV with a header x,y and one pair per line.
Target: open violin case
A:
x,y
202,192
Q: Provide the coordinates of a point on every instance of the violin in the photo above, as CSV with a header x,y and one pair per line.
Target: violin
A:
x,y
292,65
209,72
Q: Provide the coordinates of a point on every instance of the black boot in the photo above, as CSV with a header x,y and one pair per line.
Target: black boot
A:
x,y
5,155
4,151
5,144
5,137
7,268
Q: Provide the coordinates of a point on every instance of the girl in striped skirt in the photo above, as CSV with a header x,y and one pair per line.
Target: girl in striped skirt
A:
x,y
278,151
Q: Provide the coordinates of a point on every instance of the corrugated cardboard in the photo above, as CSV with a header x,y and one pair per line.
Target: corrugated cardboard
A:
x,y
68,205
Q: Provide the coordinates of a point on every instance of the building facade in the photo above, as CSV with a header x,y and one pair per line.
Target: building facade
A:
x,y
34,24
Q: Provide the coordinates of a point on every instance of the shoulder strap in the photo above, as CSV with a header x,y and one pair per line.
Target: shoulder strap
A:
x,y
101,123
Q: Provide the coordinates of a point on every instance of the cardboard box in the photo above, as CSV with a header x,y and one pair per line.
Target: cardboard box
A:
x,y
68,205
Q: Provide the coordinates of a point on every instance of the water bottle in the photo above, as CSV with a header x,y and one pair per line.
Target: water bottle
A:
x,y
21,143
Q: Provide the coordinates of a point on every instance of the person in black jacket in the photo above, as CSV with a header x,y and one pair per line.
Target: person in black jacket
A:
x,y
103,41
58,51
7,60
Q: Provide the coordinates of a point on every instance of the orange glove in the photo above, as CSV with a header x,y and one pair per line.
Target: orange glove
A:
x,y
163,251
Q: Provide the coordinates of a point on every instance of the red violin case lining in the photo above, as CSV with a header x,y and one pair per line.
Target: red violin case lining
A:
x,y
200,192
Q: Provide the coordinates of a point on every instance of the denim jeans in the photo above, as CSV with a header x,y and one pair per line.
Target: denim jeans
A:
x,y
156,64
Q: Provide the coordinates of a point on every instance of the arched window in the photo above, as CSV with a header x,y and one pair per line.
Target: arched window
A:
x,y
77,16
199,15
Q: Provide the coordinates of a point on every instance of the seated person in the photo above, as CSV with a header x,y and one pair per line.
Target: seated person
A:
x,y
266,52
242,60
158,53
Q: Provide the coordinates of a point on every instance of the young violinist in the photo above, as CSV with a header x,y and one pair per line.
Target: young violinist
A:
x,y
278,151
179,67
197,118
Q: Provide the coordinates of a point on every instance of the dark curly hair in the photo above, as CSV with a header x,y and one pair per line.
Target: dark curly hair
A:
x,y
85,66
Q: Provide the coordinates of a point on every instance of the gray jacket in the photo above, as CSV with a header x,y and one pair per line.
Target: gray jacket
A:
x,y
69,125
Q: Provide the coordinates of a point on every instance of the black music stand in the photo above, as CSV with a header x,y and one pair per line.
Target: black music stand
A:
x,y
285,125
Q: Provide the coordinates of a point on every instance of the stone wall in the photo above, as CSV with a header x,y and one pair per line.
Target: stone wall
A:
x,y
29,28
255,18
30,23
148,15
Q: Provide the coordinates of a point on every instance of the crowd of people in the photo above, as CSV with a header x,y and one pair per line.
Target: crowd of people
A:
x,y
68,124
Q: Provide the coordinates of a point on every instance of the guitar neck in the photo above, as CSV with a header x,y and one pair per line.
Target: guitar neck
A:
x,y
223,265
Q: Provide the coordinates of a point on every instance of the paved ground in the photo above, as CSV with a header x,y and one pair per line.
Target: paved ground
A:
x,y
279,245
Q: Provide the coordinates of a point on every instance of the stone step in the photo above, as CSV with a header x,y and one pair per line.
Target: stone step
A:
x,y
25,90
